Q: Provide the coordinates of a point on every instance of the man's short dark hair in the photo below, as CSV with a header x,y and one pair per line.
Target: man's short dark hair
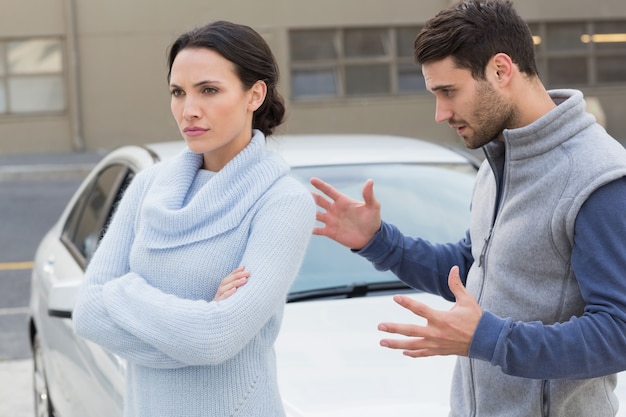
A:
x,y
472,32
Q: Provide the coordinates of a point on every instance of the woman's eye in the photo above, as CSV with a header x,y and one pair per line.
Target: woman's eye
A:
x,y
176,92
209,90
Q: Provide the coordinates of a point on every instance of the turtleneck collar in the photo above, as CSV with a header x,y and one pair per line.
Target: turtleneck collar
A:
x,y
176,212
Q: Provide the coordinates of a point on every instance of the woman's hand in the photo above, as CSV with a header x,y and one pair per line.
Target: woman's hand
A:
x,y
229,285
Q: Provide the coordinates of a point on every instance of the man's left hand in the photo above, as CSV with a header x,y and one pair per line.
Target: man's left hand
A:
x,y
446,332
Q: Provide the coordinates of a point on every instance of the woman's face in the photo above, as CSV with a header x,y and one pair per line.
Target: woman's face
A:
x,y
212,109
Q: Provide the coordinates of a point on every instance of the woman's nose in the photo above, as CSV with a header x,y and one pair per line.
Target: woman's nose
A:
x,y
191,108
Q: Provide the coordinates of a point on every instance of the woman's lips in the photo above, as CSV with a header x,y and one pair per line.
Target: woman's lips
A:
x,y
194,131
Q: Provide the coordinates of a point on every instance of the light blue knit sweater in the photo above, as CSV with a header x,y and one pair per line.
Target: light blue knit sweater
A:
x,y
147,295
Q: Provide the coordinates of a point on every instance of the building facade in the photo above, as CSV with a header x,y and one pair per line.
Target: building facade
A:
x,y
91,75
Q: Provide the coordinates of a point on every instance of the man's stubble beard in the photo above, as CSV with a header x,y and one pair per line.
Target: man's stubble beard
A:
x,y
492,114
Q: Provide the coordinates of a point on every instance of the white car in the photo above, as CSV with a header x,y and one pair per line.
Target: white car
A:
x,y
330,363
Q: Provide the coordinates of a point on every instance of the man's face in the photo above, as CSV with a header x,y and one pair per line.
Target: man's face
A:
x,y
474,108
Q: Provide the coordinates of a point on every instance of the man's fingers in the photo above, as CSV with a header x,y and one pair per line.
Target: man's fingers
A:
x,y
414,306
405,344
417,345
326,188
368,192
445,333
455,284
411,330
321,201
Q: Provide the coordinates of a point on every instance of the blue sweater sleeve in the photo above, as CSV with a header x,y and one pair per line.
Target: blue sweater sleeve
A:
x,y
583,347
421,264
90,317
274,251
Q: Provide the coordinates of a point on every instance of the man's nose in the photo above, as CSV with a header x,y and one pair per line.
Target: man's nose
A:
x,y
443,112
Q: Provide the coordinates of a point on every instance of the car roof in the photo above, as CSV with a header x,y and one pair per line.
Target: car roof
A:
x,y
331,149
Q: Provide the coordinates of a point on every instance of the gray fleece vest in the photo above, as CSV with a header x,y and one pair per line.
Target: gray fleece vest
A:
x,y
522,267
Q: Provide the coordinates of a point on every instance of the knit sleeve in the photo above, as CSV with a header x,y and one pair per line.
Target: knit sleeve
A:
x,y
111,263
215,331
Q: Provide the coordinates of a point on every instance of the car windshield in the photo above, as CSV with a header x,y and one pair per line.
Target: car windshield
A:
x,y
426,200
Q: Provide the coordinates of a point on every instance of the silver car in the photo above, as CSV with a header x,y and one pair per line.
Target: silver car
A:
x,y
329,359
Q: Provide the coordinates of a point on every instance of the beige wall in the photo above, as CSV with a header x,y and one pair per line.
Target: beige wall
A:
x,y
570,9
118,93
130,48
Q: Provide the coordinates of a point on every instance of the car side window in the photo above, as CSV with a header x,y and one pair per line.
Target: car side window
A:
x,y
93,210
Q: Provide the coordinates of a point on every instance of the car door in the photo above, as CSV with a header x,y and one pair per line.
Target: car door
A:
x,y
85,380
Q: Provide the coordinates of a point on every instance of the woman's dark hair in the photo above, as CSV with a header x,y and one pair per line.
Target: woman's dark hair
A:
x,y
472,32
252,58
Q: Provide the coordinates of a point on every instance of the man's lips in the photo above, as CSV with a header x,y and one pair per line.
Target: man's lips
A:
x,y
458,127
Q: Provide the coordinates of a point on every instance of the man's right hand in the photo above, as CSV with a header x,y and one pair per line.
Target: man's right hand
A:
x,y
350,222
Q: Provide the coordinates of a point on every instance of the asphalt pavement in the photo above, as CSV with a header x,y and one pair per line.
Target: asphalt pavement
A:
x,y
16,394
16,390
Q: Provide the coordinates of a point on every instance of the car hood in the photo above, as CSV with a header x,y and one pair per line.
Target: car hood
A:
x,y
330,362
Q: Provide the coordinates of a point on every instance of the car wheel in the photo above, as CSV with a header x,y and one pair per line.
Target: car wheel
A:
x,y
43,405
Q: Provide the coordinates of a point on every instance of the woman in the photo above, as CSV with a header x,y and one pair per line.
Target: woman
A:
x,y
164,289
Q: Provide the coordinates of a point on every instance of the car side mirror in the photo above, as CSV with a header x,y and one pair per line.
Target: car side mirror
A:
x,y
62,298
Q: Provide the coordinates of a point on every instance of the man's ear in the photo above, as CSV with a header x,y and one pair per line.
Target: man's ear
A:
x,y
500,68
257,95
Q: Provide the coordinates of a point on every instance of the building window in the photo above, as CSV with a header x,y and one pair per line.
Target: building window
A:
x,y
609,41
581,54
354,62
378,61
31,76
315,71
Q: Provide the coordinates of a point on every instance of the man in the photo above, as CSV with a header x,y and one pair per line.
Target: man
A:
x,y
539,321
